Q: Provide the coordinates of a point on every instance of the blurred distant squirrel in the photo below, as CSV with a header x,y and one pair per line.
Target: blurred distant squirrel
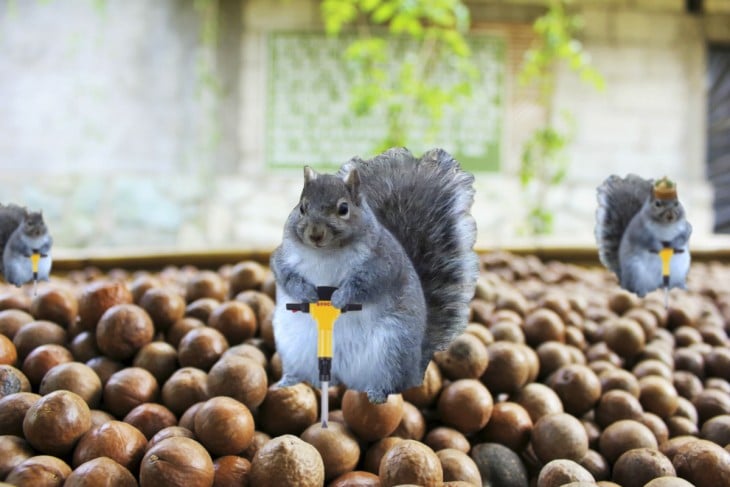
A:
x,y
394,234
23,233
635,220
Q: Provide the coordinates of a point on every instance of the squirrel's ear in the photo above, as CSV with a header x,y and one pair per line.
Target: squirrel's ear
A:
x,y
309,174
352,181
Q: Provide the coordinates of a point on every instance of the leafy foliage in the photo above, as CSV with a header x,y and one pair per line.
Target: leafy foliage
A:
x,y
404,87
544,162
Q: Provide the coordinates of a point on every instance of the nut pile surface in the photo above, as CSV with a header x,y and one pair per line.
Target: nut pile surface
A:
x,y
166,379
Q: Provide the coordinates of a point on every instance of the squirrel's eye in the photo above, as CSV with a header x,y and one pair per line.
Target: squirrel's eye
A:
x,y
657,203
302,208
343,209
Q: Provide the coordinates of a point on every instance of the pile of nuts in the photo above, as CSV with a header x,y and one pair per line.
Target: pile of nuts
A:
x,y
560,379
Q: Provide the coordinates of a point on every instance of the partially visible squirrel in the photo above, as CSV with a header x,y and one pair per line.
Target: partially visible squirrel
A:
x,y
23,233
394,234
635,220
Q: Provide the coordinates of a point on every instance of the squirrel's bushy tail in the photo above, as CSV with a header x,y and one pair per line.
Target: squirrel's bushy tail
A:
x,y
619,199
426,204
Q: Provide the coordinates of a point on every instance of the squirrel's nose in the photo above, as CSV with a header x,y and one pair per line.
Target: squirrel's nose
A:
x,y
316,237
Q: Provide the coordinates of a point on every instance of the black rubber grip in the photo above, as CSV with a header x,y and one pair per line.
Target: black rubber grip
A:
x,y
352,307
298,307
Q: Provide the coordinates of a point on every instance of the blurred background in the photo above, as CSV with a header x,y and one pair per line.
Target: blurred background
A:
x,y
144,126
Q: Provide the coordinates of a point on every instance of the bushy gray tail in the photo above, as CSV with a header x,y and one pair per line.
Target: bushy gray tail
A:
x,y
619,199
10,217
426,204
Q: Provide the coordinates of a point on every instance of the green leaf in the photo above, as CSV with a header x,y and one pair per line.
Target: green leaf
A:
x,y
383,13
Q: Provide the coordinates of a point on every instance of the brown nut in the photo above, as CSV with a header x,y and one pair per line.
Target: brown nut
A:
x,y
231,471
224,426
287,460
149,418
508,368
83,346
371,421
13,408
239,378
458,466
624,435
122,330
185,387
100,472
40,470
56,304
412,425
509,425
201,348
563,472
443,437
164,306
180,328
176,462
129,388
11,320
200,309
424,395
465,405
465,358
543,325
410,462
288,410
12,380
98,297
578,388
635,468
538,400
246,275
235,320
42,359
14,450
559,436
703,463
205,284
55,422
36,333
337,446
117,440
75,377
159,359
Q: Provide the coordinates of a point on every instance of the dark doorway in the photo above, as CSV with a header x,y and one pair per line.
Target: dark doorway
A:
x,y
718,133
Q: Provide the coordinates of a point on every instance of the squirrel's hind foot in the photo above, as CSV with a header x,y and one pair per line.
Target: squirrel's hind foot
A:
x,y
288,380
377,396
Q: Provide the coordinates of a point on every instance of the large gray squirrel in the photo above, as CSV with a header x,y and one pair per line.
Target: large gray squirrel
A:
x,y
636,218
394,234
23,233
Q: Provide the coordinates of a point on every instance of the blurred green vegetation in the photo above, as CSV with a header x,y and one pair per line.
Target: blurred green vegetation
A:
x,y
436,27
544,162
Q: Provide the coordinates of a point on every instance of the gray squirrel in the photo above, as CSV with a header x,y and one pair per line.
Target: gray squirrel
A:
x,y
23,233
635,220
394,234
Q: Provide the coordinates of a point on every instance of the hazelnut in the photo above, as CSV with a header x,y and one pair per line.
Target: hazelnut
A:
x,y
371,421
176,462
287,460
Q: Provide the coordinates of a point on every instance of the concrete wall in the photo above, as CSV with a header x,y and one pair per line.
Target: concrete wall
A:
x,y
105,128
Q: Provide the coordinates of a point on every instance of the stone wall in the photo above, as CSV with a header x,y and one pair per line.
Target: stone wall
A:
x,y
108,124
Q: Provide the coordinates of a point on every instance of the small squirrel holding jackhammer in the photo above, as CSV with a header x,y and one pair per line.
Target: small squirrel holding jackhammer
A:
x,y
394,234
23,233
637,218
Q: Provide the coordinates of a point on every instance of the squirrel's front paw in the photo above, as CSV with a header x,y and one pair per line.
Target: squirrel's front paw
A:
x,y
340,298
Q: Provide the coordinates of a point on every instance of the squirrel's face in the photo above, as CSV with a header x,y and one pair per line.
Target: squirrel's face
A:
x,y
666,211
33,225
328,210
